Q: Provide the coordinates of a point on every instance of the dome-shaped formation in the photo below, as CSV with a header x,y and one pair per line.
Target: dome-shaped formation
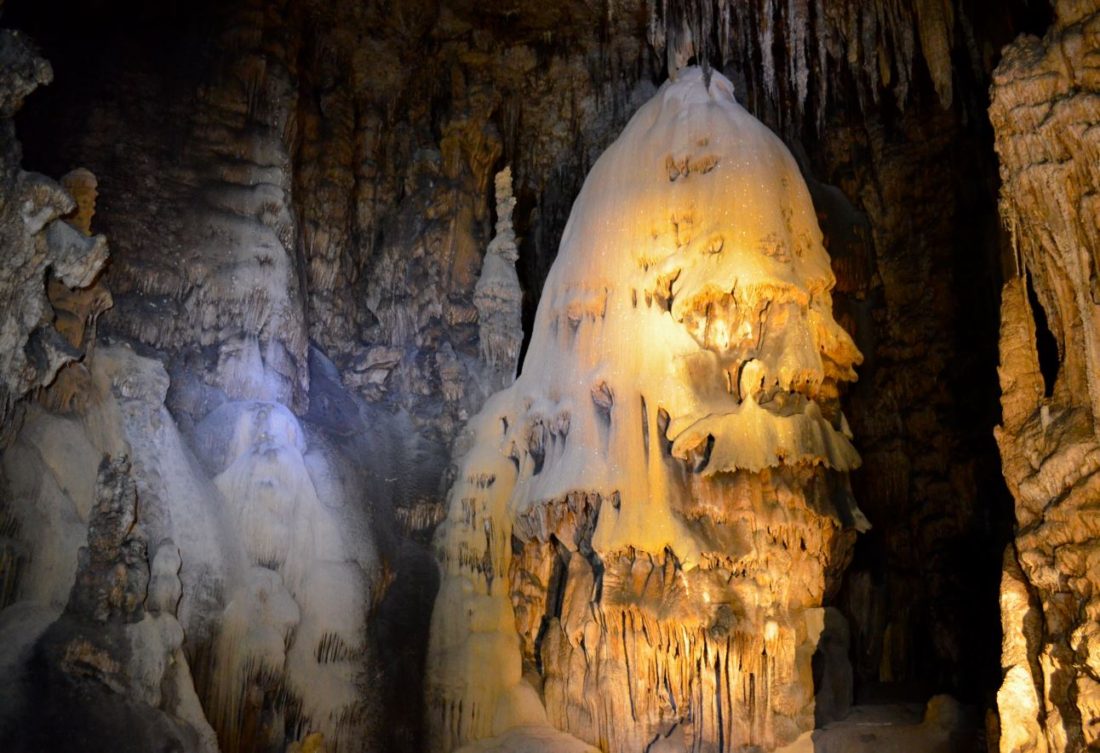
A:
x,y
679,395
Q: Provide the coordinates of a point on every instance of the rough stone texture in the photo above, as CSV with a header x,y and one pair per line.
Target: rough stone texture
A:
x,y
120,644
359,173
916,258
112,572
41,252
107,674
255,583
276,173
1046,113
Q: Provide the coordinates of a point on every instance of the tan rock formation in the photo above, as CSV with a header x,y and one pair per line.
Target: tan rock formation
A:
x,y
1046,112
325,170
649,519
81,184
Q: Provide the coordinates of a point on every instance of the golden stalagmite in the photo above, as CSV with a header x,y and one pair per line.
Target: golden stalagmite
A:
x,y
646,524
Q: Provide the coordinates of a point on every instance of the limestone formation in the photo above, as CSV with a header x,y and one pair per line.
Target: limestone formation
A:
x,y
310,301
184,566
81,184
269,585
648,521
114,655
497,295
1046,96
43,254
293,626
877,42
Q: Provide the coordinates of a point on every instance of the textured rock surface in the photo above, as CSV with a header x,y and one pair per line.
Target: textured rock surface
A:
x,y
498,295
299,197
649,520
1046,112
42,252
253,582
109,673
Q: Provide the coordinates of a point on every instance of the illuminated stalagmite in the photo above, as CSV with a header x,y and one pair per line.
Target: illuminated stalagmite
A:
x,y
645,525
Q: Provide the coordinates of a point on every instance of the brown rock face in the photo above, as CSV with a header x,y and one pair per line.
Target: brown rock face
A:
x,y
633,647
1046,111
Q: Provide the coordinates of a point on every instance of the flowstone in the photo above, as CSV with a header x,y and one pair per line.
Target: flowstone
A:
x,y
646,524
1044,113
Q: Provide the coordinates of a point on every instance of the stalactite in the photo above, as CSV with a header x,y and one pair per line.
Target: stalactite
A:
x,y
798,27
872,42
936,21
767,52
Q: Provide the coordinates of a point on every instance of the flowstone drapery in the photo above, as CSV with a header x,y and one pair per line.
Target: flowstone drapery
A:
x,y
1044,112
646,524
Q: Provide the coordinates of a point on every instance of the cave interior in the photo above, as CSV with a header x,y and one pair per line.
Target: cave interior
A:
x,y
598,375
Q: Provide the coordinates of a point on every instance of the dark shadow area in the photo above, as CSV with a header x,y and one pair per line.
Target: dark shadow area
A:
x,y
1046,344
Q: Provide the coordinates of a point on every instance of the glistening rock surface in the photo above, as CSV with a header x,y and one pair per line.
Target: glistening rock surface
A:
x,y
647,523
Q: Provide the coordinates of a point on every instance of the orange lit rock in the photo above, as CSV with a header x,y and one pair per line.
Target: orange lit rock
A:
x,y
646,524
1045,113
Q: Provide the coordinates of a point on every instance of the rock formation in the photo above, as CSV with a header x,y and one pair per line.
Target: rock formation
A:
x,y
232,565
269,585
310,301
114,658
383,129
647,522
48,263
1045,111
498,295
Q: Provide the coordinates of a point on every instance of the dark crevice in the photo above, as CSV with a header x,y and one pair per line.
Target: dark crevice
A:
x,y
1046,344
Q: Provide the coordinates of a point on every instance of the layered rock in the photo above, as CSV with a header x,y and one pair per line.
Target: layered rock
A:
x,y
353,147
50,267
231,281
1047,120
385,130
647,523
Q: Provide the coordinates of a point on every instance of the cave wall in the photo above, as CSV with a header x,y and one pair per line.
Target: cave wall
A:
x,y
308,167
298,197
1046,94
52,266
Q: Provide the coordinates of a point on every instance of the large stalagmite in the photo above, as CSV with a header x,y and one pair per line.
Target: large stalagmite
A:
x,y
645,525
